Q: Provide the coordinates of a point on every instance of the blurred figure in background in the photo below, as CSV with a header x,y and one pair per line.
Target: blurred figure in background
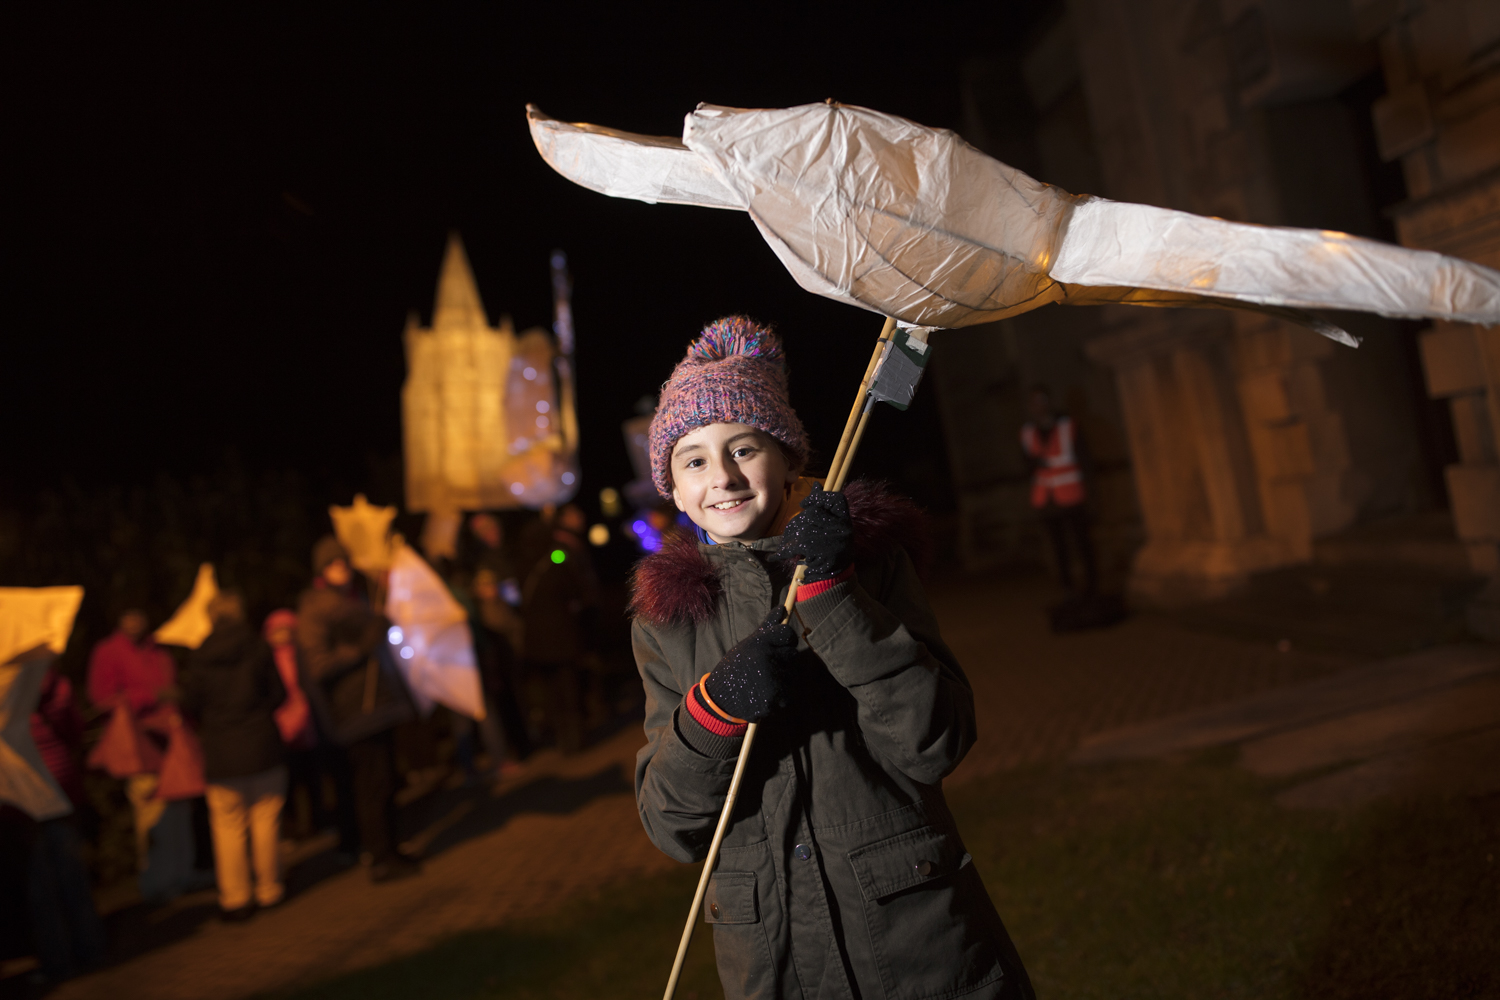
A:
x,y
536,539
557,603
489,543
295,722
498,629
130,668
488,653
358,696
232,688
69,937
1053,453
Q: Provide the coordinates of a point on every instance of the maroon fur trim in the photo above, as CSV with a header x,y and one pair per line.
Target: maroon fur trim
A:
x,y
675,585
884,519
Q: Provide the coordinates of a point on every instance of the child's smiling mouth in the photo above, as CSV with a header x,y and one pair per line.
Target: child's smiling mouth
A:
x,y
725,506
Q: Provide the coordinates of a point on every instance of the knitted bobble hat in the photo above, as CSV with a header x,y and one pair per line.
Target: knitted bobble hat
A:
x,y
734,373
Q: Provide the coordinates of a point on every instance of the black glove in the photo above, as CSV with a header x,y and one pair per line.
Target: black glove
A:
x,y
747,680
821,536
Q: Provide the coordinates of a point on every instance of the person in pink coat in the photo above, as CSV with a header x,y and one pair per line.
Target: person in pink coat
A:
x,y
294,717
295,720
130,668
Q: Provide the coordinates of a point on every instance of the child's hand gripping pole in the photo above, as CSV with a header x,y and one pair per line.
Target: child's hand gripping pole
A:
x,y
838,469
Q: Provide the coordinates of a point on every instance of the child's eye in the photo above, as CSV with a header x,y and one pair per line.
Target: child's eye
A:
x,y
694,463
742,452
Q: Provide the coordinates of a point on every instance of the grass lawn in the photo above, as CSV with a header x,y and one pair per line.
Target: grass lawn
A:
x,y
1136,880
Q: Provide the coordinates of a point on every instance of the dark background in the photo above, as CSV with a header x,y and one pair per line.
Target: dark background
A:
x,y
218,221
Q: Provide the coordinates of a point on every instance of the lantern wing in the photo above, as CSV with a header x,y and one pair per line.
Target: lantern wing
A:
x,y
190,624
430,639
648,168
1141,246
33,617
912,222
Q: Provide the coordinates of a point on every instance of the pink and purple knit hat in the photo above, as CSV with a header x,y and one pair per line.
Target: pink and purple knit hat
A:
x,y
734,373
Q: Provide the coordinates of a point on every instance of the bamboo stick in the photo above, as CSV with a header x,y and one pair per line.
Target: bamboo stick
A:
x,y
708,864
859,432
886,332
838,469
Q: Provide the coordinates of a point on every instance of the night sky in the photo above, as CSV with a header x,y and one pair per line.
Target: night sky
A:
x,y
217,223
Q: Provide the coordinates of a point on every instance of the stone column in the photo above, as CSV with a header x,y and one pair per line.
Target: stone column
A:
x,y
1440,119
1195,470
1462,365
1453,357
1304,471
1484,611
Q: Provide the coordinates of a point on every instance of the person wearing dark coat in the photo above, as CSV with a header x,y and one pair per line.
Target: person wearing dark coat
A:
x,y
64,923
558,604
357,696
842,871
232,689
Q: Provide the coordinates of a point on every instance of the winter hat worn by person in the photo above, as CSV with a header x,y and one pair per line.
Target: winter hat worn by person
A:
x,y
325,552
279,619
734,373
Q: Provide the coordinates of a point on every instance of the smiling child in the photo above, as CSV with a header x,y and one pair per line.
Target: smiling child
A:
x,y
842,873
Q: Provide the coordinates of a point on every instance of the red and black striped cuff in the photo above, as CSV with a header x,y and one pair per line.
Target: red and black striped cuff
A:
x,y
705,715
811,590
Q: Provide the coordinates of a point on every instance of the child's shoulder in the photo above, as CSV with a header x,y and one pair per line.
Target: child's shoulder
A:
x,y
885,520
678,584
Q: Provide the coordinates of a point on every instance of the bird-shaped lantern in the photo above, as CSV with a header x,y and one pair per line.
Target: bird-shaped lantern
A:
x,y
914,223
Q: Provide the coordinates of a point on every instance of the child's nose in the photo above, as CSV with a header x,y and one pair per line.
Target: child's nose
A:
x,y
726,474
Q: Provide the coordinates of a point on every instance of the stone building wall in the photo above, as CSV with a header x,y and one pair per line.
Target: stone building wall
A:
x,y
1440,119
1245,438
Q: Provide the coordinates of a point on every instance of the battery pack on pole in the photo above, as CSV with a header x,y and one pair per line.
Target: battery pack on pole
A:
x,y
892,376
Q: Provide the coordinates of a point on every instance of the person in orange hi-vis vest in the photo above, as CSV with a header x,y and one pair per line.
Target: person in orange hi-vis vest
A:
x,y
1050,443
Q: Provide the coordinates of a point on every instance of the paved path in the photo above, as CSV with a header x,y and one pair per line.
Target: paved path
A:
x,y
1040,695
1423,724
569,827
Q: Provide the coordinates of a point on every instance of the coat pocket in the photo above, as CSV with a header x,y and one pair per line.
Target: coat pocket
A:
x,y
740,947
928,916
730,899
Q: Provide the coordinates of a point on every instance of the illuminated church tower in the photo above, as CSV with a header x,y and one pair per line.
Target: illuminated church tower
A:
x,y
487,416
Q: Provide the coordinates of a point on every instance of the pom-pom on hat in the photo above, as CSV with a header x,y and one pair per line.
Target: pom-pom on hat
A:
x,y
734,373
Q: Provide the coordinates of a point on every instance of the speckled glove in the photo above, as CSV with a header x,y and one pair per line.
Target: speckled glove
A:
x,y
745,683
821,536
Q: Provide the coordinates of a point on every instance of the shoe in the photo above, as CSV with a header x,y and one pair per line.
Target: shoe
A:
x,y
238,916
396,868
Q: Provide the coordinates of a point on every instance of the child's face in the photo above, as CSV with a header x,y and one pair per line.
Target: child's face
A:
x,y
730,479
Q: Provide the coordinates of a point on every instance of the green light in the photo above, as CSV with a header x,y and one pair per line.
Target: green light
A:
x,y
559,556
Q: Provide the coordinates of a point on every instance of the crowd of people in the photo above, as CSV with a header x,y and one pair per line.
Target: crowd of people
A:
x,y
309,709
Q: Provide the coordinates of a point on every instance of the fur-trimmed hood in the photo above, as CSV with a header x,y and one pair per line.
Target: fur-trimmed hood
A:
x,y
677,584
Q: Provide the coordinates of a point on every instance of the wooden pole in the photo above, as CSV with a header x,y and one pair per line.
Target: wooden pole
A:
x,y
854,429
859,432
708,864
886,332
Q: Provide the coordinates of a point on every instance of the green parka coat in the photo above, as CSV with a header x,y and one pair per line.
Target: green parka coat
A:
x,y
842,873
